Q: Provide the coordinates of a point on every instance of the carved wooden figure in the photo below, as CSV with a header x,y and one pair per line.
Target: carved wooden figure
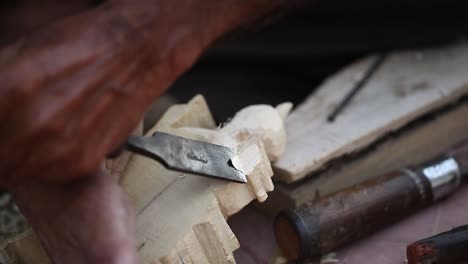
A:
x,y
181,217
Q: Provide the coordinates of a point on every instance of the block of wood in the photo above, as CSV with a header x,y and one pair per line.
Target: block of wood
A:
x,y
408,85
394,137
415,143
181,218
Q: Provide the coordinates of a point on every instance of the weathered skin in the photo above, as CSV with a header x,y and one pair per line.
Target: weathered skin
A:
x,y
90,221
74,90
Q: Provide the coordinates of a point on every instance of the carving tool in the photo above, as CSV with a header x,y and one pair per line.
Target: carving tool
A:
x,y
187,155
320,226
444,248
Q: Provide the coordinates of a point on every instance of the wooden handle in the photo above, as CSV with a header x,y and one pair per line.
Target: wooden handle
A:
x,y
319,226
444,248
323,225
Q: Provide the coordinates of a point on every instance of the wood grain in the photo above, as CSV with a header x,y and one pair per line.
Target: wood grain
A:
x,y
182,217
413,144
408,85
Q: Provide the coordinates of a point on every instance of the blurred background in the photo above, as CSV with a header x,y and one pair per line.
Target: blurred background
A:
x,y
286,55
281,59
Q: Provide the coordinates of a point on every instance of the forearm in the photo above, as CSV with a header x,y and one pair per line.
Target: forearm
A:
x,y
76,89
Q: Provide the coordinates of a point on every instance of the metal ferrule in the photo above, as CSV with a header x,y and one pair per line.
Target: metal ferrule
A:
x,y
444,177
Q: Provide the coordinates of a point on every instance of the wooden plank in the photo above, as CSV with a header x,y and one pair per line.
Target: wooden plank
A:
x,y
181,218
408,85
414,143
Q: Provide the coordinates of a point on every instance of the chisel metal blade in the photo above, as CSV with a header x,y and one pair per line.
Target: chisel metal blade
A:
x,y
187,155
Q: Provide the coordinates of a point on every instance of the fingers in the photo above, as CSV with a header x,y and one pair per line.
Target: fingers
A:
x,y
115,166
72,91
88,221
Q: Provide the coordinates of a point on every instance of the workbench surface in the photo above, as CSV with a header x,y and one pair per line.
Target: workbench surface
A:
x,y
387,246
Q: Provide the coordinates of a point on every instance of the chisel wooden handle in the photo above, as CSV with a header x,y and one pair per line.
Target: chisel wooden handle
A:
x,y
444,248
322,225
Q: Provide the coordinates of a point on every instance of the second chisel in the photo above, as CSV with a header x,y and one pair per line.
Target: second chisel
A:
x,y
322,225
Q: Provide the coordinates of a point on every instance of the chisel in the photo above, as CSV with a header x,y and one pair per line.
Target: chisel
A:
x,y
320,226
187,155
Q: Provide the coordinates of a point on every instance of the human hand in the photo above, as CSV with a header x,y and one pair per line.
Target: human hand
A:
x,y
73,91
86,221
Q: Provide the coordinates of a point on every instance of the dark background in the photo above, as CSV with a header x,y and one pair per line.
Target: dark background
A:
x,y
285,57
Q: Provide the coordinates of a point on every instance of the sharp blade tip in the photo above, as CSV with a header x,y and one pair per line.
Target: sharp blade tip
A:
x,y
241,177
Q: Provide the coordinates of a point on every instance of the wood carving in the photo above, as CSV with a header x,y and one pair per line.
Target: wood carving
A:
x,y
182,218
408,85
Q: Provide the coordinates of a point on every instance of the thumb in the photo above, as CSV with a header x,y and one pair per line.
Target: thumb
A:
x,y
87,221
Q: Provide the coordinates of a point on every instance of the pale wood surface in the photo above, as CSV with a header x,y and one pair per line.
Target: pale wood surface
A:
x,y
407,85
181,217
414,144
